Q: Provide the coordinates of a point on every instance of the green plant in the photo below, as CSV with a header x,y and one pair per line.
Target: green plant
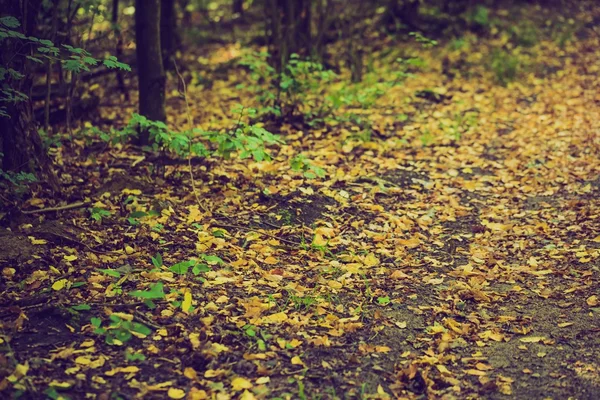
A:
x,y
303,164
131,355
524,34
298,90
505,66
97,213
383,300
16,182
73,59
248,140
254,332
302,302
154,293
118,330
479,16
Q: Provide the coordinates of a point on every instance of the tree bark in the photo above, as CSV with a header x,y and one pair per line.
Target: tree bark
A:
x,y
290,29
168,32
22,146
151,74
238,8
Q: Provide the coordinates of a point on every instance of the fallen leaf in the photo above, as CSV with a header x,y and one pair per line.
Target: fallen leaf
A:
x,y
239,383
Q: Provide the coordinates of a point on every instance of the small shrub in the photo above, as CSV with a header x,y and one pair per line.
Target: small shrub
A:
x,y
505,66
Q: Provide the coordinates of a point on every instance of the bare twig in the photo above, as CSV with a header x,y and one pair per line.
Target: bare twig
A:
x,y
191,127
59,208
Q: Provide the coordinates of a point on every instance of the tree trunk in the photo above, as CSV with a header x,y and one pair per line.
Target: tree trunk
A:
x,y
238,8
402,12
151,74
168,32
290,29
21,144
119,48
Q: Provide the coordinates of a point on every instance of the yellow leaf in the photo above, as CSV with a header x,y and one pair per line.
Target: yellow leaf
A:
x,y
125,370
297,361
19,372
334,284
371,260
238,383
197,394
247,396
263,379
70,258
475,372
59,284
592,301
83,360
596,239
319,240
190,373
565,324
37,241
129,250
274,318
175,393
410,243
271,260
187,302
443,369
532,339
60,385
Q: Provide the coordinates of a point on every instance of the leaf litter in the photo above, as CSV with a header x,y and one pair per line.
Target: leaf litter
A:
x,y
422,266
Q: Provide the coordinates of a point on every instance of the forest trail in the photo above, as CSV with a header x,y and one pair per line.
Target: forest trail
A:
x,y
453,252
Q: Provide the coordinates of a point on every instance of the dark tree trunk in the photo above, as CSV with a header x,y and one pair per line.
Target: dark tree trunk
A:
x,y
290,29
238,7
402,12
168,32
151,74
119,48
21,144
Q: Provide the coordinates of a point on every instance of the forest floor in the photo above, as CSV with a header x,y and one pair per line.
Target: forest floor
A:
x,y
453,253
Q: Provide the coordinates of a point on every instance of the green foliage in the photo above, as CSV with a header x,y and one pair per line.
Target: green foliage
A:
x,y
425,41
247,140
155,292
479,16
119,331
524,34
383,300
303,164
505,66
16,182
73,59
97,213
298,90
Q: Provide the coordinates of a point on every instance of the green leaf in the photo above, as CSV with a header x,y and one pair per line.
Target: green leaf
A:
x,y
157,260
34,59
81,307
155,292
212,259
383,300
200,268
111,272
96,322
138,214
140,328
182,267
10,22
